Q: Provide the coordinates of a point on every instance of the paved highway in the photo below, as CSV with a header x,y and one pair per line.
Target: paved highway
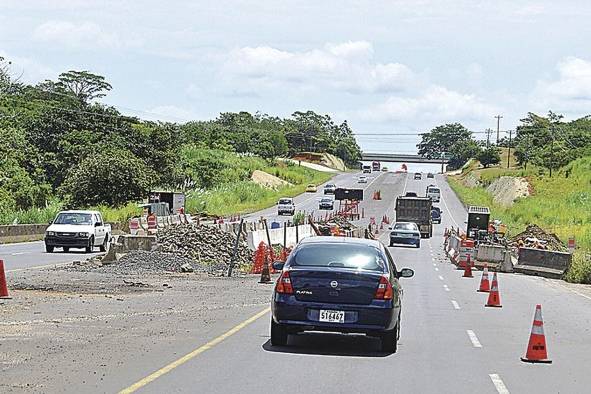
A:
x,y
450,343
32,254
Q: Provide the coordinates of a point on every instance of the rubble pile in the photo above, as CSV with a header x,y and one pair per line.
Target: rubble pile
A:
x,y
535,237
338,220
206,245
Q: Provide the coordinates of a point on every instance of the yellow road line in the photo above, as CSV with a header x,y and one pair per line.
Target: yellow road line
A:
x,y
150,378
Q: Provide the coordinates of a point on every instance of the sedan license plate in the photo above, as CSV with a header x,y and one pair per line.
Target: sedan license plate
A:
x,y
332,316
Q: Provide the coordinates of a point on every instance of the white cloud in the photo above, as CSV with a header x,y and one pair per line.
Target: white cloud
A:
x,y
79,35
570,93
435,104
346,66
27,70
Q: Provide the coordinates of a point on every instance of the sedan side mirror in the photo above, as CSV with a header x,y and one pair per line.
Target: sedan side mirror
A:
x,y
406,273
278,265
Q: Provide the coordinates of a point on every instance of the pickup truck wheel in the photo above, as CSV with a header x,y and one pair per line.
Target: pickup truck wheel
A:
x,y
390,340
90,245
103,247
49,249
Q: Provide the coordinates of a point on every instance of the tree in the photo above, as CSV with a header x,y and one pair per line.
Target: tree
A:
x,y
83,85
489,156
453,139
112,177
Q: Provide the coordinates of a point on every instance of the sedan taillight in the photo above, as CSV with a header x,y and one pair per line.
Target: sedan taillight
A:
x,y
284,284
384,290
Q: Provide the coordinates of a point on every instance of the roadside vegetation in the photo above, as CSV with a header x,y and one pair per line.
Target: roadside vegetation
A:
x,y
561,204
60,147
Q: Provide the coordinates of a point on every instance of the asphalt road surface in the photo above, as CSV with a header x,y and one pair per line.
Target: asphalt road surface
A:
x,y
450,343
27,255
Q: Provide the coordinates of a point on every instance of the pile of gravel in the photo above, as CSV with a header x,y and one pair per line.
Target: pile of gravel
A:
x,y
207,245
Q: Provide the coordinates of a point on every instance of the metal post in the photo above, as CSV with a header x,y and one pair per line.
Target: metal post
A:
x,y
509,151
235,252
297,234
284,235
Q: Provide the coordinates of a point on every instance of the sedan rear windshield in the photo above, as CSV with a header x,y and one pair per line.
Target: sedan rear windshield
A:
x,y
73,218
340,256
404,226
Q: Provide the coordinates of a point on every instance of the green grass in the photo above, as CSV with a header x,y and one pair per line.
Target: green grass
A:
x,y
32,215
246,196
561,204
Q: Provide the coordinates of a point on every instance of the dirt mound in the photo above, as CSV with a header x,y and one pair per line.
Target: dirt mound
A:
x,y
506,189
534,236
264,179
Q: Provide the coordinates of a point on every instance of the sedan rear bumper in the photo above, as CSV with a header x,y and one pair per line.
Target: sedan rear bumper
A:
x,y
405,240
296,315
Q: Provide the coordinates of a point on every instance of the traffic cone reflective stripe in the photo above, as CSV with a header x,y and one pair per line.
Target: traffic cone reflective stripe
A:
x,y
536,348
484,283
3,287
468,268
494,298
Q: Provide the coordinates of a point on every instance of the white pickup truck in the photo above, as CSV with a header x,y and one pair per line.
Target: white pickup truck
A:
x,y
285,205
78,229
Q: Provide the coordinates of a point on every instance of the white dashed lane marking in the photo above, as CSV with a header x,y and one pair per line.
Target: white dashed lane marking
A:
x,y
455,304
498,382
473,338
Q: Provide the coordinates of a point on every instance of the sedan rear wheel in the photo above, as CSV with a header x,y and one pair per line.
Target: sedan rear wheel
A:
x,y
278,334
390,340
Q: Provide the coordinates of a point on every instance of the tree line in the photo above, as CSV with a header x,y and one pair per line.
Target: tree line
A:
x,y
58,141
544,141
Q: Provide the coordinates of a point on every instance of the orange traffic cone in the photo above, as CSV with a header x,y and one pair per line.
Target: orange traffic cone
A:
x,y
468,268
536,348
494,298
484,283
3,287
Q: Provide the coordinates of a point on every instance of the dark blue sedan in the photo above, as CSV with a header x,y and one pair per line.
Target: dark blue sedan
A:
x,y
337,284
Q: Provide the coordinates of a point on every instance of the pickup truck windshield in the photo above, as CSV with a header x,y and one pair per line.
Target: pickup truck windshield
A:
x,y
433,190
285,201
73,218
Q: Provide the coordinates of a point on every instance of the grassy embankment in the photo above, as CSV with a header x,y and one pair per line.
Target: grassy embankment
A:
x,y
245,196
232,192
561,204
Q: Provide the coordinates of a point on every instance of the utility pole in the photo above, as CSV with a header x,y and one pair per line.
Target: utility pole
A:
x,y
509,151
498,127
488,131
551,148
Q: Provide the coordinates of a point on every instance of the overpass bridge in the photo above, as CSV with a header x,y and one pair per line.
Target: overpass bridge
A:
x,y
400,158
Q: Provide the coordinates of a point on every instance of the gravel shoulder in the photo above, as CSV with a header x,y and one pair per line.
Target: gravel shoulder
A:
x,y
68,331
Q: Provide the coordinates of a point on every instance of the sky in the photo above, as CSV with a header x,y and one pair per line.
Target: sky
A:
x,y
387,67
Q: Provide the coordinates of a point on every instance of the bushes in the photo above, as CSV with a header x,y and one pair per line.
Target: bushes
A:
x,y
112,178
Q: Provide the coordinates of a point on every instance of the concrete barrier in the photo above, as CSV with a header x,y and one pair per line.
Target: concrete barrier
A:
x,y
126,243
32,232
254,238
548,264
490,253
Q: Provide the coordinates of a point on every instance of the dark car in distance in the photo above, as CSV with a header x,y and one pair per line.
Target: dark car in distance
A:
x,y
436,215
337,284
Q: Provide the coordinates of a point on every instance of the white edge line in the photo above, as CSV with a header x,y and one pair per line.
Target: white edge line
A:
x,y
498,382
448,211
474,338
446,288
38,267
455,304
